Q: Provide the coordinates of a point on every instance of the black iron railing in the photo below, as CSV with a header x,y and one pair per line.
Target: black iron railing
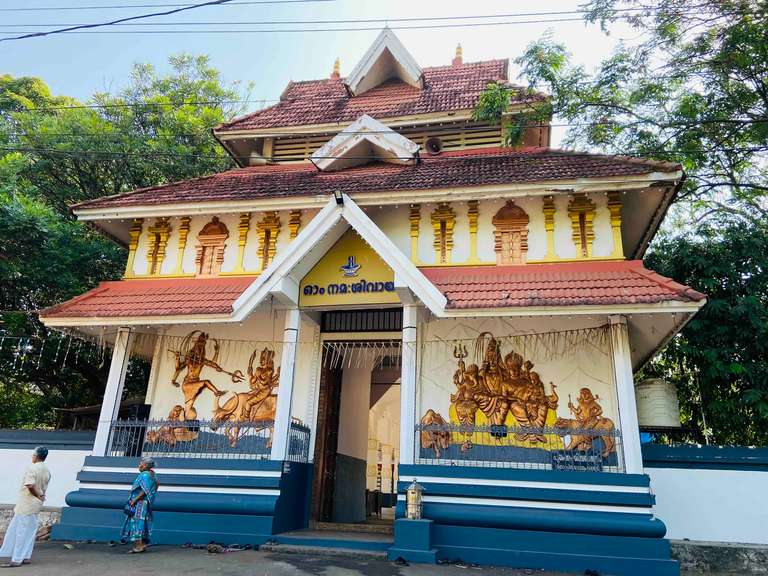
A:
x,y
203,439
298,442
518,447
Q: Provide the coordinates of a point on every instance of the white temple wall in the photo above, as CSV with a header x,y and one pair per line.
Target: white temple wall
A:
x,y
394,221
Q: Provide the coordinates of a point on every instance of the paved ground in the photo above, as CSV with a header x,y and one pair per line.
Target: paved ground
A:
x,y
53,559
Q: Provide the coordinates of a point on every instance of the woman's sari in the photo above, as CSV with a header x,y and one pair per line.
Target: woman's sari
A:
x,y
139,525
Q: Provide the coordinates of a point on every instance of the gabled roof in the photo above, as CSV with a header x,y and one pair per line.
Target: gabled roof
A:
x,y
360,142
464,168
284,274
386,58
445,89
557,284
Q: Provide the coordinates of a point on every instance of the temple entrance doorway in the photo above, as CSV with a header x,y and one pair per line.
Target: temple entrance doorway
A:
x,y
358,434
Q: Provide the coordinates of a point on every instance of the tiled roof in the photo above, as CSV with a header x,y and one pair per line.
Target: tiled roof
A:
x,y
557,284
446,88
463,168
154,297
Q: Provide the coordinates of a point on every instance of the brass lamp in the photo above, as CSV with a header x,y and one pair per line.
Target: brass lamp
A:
x,y
413,495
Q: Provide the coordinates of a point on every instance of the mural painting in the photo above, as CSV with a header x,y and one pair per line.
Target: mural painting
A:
x,y
501,401
244,413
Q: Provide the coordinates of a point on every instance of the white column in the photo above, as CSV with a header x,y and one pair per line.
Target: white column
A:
x,y
408,385
625,387
113,392
285,389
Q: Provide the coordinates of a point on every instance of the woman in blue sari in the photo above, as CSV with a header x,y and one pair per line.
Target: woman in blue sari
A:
x,y
137,527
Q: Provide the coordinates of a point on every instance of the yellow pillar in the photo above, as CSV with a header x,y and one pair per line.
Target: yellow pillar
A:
x,y
414,218
294,224
133,243
182,245
243,227
614,208
268,228
472,215
549,227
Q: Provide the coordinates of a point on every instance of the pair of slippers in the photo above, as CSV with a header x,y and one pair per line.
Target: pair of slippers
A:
x,y
14,565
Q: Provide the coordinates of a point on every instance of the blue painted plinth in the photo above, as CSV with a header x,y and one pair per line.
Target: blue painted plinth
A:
x,y
413,541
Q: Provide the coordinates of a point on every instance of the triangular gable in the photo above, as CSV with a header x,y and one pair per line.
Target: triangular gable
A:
x,y
362,141
386,58
284,274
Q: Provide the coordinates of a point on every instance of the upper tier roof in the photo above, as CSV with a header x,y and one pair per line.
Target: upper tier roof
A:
x,y
463,168
446,89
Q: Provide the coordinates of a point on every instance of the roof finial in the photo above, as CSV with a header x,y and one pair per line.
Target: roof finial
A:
x,y
457,60
335,75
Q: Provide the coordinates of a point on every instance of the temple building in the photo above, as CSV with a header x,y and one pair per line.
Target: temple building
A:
x,y
383,292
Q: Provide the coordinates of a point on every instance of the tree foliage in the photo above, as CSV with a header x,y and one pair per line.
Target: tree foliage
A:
x,y
719,362
691,87
55,151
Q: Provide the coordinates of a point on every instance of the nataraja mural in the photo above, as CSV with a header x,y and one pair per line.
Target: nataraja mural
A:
x,y
243,413
500,400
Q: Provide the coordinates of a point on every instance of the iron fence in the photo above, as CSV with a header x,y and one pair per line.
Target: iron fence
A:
x,y
191,439
502,446
298,442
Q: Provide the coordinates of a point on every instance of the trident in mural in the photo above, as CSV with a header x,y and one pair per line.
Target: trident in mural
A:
x,y
191,356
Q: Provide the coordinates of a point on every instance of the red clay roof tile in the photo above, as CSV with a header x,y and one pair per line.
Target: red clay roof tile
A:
x,y
463,168
154,297
557,284
446,88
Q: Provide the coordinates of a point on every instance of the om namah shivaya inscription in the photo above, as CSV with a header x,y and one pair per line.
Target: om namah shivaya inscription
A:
x,y
502,392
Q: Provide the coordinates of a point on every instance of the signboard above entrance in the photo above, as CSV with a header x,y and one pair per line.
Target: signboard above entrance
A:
x,y
350,274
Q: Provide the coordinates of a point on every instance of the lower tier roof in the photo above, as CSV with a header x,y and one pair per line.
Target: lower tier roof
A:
x,y
465,287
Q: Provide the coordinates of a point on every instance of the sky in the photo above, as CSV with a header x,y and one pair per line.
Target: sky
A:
x,y
79,64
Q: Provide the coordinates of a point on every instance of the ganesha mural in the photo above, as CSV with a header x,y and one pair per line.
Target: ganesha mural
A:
x,y
500,400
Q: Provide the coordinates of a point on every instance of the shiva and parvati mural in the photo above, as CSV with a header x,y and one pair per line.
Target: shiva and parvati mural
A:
x,y
552,396
195,361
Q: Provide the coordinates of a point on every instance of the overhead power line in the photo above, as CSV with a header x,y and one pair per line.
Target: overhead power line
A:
x,y
127,6
118,21
348,21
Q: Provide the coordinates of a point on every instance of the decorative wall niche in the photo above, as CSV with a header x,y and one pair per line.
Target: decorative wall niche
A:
x,y
582,213
158,241
211,242
443,220
510,234
268,228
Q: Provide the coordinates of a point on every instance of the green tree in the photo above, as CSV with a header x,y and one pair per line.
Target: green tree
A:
x,y
55,151
692,89
719,362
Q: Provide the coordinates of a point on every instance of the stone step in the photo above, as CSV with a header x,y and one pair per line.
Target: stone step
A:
x,y
377,527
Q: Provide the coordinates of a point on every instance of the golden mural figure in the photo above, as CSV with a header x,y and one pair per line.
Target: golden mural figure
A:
x,y
438,439
588,415
193,358
170,435
255,406
497,387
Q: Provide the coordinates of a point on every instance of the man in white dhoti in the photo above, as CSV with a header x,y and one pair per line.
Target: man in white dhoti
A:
x,y
20,537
